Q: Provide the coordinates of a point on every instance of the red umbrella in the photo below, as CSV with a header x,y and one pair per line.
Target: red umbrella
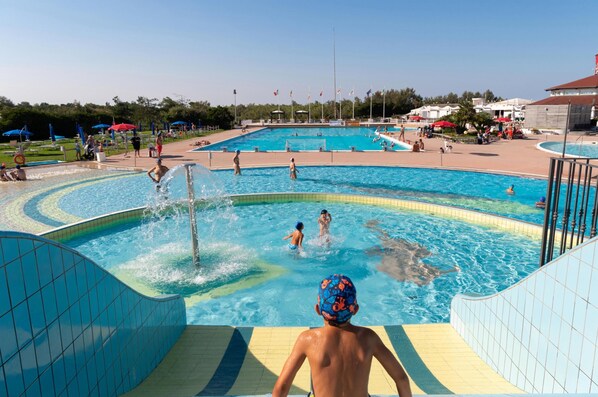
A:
x,y
444,124
503,120
416,118
123,127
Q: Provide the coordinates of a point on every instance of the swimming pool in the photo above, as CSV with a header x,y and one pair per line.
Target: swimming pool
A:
x,y
407,265
471,190
305,139
578,149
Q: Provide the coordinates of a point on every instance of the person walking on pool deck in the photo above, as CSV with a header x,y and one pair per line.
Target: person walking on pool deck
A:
x,y
237,165
136,142
339,353
296,237
293,169
159,143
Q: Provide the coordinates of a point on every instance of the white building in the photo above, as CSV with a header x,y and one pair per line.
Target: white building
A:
x,y
512,108
435,111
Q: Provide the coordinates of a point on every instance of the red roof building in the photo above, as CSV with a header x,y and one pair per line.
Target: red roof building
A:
x,y
574,102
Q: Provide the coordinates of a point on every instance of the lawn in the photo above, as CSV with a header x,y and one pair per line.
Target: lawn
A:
x,y
45,150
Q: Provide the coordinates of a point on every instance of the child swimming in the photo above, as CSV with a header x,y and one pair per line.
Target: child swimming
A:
x,y
324,222
296,237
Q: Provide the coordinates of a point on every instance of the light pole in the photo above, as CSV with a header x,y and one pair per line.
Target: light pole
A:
x,y
235,95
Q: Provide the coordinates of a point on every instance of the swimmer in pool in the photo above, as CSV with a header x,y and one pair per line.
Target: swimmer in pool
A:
x,y
511,190
296,237
324,223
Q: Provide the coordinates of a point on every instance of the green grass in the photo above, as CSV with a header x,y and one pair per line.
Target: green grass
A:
x,y
35,152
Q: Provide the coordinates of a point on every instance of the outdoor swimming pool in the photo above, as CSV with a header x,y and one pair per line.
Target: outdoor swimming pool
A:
x,y
54,197
583,149
303,139
471,190
407,265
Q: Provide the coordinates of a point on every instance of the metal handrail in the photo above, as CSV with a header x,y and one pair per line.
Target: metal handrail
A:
x,y
571,204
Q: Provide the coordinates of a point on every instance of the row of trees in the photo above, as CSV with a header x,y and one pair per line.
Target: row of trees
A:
x,y
145,110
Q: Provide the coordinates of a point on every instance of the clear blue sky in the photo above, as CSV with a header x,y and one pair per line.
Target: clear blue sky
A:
x,y
90,51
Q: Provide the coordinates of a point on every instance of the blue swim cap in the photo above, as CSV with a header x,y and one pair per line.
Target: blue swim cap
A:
x,y
337,298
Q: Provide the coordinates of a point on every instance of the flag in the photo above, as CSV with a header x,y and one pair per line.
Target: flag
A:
x,y
338,92
275,92
351,93
291,93
321,92
234,92
309,97
369,92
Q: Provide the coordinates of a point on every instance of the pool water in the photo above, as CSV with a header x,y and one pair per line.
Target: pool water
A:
x,y
471,190
407,266
302,139
585,149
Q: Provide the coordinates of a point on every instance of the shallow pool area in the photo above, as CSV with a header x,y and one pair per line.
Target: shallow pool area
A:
x,y
408,265
306,139
576,149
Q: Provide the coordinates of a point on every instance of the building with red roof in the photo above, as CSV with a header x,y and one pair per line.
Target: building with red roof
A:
x,y
571,105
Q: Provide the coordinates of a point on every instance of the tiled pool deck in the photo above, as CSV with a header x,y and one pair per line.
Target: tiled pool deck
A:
x,y
227,361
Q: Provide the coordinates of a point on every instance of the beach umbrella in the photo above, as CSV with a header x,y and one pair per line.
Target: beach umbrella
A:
x,y
179,123
81,133
416,118
100,126
52,137
19,133
123,127
503,120
444,124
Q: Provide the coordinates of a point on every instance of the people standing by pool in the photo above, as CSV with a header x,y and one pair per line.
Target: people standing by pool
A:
x,y
159,143
339,353
77,150
293,169
402,134
296,237
324,223
236,164
136,142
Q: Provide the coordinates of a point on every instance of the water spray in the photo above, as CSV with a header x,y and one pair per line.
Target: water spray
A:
x,y
191,195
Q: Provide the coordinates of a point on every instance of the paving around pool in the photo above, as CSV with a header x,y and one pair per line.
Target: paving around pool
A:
x,y
111,285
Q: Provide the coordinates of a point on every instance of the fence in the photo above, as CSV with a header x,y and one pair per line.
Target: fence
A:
x,y
571,211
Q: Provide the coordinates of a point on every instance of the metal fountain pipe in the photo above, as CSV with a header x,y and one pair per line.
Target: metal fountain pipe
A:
x,y
191,195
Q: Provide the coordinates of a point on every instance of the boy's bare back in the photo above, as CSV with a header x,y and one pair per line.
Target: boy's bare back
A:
x,y
340,358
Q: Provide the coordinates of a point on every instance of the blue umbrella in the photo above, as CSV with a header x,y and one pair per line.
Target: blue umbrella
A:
x,y
179,123
52,137
18,133
100,126
81,133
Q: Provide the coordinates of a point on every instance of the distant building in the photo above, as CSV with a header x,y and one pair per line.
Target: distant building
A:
x,y
552,113
435,111
512,108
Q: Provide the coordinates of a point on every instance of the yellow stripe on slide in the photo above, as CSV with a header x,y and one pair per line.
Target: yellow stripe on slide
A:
x,y
453,362
380,381
190,364
267,352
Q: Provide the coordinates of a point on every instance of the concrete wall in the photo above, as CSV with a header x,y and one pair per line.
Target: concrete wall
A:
x,y
541,333
554,117
68,327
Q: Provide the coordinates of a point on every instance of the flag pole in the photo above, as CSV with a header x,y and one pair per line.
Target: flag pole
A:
x,y
309,107
235,95
340,104
353,94
292,113
371,98
383,104
334,66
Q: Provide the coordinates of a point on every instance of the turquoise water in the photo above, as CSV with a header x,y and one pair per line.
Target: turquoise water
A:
x,y
573,149
390,256
478,191
299,139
